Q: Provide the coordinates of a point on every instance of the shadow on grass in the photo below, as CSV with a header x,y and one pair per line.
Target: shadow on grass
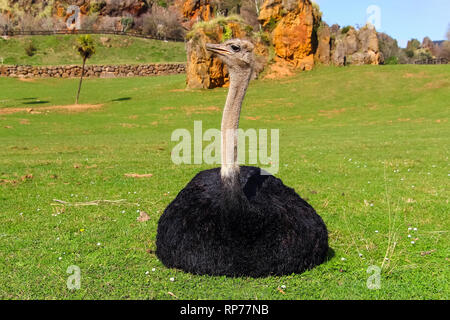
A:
x,y
121,99
35,102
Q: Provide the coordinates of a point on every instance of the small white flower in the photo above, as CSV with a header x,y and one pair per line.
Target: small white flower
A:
x,y
409,229
376,231
146,272
409,236
99,244
387,259
368,182
415,229
412,242
283,287
172,279
343,259
60,258
360,255
138,211
123,211
135,192
153,269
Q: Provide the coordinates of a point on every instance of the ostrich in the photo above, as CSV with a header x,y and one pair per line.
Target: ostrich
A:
x,y
239,220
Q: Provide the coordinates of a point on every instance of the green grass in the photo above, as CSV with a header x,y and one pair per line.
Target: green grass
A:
x,y
61,50
366,146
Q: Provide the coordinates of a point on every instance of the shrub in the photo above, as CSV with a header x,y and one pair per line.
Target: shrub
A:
x,y
161,23
89,22
228,33
409,53
127,23
392,60
97,6
30,49
346,29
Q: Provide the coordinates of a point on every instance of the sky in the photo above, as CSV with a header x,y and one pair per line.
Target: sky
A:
x,y
401,19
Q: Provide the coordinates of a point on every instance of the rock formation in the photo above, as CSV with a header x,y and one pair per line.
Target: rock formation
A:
x,y
356,47
194,11
323,53
203,70
292,24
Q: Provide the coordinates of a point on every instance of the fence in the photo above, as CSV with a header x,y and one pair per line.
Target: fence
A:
x,y
432,61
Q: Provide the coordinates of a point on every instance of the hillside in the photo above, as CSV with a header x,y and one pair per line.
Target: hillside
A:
x,y
60,50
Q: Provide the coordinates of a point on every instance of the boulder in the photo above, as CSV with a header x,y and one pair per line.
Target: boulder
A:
x,y
338,56
323,53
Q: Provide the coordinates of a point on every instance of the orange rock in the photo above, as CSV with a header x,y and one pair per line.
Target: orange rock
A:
x,y
293,25
195,10
204,70
270,12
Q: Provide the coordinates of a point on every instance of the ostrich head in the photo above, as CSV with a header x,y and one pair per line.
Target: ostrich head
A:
x,y
237,54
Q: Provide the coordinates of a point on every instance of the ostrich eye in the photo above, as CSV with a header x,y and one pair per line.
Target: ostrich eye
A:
x,y
235,48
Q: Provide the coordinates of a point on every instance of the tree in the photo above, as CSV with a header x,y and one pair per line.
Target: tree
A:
x,y
86,49
444,50
413,44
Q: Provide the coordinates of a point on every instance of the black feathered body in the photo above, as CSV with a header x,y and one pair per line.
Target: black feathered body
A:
x,y
264,228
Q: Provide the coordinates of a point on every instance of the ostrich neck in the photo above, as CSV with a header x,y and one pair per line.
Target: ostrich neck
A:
x,y
239,79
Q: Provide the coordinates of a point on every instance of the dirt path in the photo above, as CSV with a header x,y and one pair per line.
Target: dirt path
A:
x,y
67,108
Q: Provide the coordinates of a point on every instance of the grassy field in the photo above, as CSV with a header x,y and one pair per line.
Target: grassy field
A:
x,y
60,50
366,146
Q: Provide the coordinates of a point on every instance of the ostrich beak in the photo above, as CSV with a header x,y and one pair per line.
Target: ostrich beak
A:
x,y
217,48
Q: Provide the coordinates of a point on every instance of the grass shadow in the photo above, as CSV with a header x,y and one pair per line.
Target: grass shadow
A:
x,y
121,99
35,102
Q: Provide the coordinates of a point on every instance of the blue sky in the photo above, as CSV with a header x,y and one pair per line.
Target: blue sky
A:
x,y
401,19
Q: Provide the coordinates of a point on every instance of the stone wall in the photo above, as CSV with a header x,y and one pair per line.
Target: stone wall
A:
x,y
99,71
